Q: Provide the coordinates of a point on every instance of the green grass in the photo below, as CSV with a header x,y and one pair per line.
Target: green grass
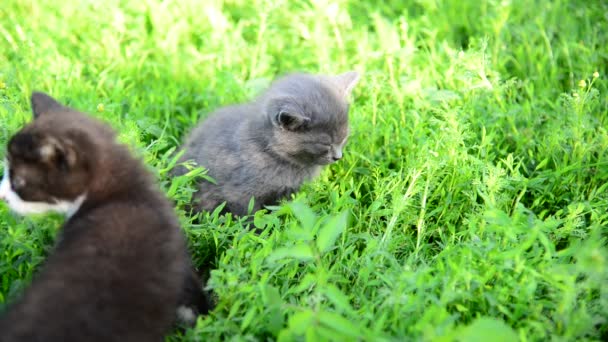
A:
x,y
472,200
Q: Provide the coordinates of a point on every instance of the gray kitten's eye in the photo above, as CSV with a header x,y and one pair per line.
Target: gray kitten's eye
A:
x,y
322,148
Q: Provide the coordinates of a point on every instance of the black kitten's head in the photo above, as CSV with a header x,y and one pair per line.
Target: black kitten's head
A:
x,y
49,162
309,116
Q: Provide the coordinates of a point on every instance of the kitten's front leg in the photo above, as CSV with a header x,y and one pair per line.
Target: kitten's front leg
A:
x,y
210,196
194,300
207,198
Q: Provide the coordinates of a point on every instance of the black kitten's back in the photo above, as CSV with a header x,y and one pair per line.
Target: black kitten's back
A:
x,y
116,275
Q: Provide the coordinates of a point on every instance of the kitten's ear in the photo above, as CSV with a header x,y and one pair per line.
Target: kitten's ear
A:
x,y
290,121
58,153
346,82
43,103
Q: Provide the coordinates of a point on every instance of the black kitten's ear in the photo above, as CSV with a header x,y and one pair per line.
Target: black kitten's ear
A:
x,y
291,121
61,154
346,82
43,103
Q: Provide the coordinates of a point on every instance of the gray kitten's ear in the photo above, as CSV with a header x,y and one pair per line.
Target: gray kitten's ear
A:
x,y
346,82
290,121
43,103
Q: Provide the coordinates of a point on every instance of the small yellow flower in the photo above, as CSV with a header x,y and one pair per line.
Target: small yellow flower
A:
x,y
2,85
100,107
596,74
582,83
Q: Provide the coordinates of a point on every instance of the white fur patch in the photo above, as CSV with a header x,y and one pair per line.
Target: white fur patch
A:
x,y
75,205
21,207
186,315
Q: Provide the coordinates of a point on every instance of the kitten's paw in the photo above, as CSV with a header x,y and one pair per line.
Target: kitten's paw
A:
x,y
186,315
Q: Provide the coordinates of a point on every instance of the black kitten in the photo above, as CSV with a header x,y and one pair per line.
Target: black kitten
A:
x,y
120,264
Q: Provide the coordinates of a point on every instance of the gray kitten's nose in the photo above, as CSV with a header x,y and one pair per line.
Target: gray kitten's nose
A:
x,y
337,155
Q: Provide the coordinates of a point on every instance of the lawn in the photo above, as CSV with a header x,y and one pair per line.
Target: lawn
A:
x,y
472,202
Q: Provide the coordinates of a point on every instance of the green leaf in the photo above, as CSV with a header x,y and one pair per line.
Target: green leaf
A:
x,y
273,315
300,321
285,336
542,164
304,214
338,298
271,296
250,205
311,334
305,284
259,219
234,308
461,308
487,329
301,252
248,317
275,320
330,231
339,324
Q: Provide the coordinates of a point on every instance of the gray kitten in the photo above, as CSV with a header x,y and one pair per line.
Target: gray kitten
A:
x,y
267,148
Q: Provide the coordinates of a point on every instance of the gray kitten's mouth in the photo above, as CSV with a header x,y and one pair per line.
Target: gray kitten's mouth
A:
x,y
326,161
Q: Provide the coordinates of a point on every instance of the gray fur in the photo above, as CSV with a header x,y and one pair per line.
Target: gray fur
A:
x,y
267,148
